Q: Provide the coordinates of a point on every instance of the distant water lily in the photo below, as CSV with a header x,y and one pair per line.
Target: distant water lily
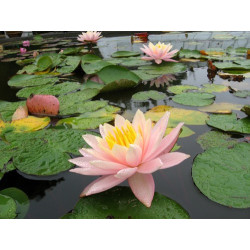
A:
x,y
159,52
89,36
129,151
35,54
26,43
23,50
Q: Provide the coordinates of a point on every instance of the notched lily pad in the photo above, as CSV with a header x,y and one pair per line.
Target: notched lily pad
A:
x,y
151,94
181,88
124,53
7,207
120,203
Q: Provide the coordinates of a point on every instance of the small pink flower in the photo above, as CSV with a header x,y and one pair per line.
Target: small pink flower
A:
x,y
23,50
129,151
26,43
89,36
159,52
35,54
61,51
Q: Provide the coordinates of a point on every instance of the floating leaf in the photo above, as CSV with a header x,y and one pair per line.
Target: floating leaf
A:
x,y
143,75
222,174
95,66
129,62
118,54
189,117
242,93
164,68
44,63
120,203
210,88
7,109
43,105
246,109
230,123
194,99
223,107
117,78
231,65
92,85
45,152
29,69
49,89
151,94
185,131
71,51
7,207
70,100
89,58
21,199
213,139
181,88
21,81
186,53
69,64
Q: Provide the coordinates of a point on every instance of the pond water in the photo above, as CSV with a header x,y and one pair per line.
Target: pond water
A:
x,y
54,196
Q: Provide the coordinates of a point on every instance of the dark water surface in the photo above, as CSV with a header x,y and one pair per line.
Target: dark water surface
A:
x,y
52,197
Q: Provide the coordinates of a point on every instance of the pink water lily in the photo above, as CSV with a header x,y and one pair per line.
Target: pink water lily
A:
x,y
89,36
26,43
159,52
23,50
129,151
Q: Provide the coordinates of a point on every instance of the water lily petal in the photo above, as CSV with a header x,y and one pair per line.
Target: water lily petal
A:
x,y
119,152
126,172
92,171
172,159
82,161
107,165
119,121
150,166
133,156
143,187
101,184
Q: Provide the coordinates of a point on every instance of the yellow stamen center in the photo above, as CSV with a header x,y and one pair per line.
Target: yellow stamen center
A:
x,y
124,136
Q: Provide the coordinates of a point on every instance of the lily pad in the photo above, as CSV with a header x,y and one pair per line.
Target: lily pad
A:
x,y
45,152
49,89
29,69
120,203
231,65
69,64
164,68
223,108
7,109
210,88
181,88
246,109
70,100
44,63
230,123
20,81
242,93
95,66
89,58
124,53
129,62
117,78
213,139
194,99
222,174
151,94
7,207
21,199
185,131
189,117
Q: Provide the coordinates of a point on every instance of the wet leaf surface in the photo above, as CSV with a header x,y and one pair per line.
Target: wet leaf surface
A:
x,y
151,94
120,203
222,174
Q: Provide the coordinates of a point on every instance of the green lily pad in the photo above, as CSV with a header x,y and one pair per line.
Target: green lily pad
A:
x,y
151,94
222,174
185,131
89,58
230,123
71,51
7,207
91,119
70,100
129,62
194,99
124,53
44,63
83,107
186,53
143,75
25,61
94,67
29,69
231,65
213,139
69,64
246,109
242,93
45,152
21,81
92,85
221,108
181,88
120,203
117,78
164,68
49,89
21,199
210,88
